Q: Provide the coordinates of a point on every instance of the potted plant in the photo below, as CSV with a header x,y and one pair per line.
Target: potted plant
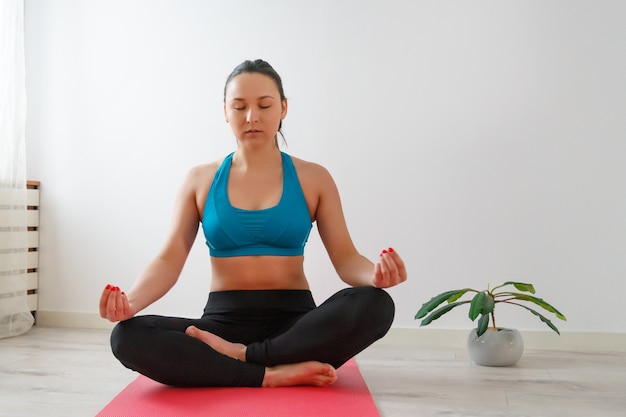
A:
x,y
490,345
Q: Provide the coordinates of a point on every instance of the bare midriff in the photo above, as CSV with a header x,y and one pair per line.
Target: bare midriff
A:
x,y
258,273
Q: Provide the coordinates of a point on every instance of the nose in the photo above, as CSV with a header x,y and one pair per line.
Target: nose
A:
x,y
251,115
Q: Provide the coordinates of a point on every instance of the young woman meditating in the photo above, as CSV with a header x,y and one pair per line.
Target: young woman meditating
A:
x,y
256,206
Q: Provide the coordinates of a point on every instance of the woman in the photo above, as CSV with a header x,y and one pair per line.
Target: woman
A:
x,y
260,326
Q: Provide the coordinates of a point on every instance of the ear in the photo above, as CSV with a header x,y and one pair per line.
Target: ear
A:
x,y
225,114
283,112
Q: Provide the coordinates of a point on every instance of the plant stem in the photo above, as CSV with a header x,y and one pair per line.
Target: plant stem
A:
x,y
493,316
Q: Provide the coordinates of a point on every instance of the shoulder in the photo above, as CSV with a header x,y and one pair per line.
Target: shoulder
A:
x,y
198,180
310,171
317,183
204,172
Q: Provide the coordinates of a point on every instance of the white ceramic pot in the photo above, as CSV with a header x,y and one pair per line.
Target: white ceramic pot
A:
x,y
503,347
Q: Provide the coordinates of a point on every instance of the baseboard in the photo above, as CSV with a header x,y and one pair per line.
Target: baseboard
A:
x,y
419,338
72,319
533,339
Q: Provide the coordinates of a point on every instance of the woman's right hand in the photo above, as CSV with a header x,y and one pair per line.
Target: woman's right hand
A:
x,y
114,305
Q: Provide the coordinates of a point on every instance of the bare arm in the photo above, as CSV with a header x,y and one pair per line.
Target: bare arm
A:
x,y
353,268
162,273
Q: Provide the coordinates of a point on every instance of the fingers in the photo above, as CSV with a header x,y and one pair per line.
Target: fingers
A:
x,y
390,270
400,268
383,275
119,305
111,306
114,304
104,300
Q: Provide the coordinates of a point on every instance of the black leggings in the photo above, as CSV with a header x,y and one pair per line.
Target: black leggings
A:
x,y
277,326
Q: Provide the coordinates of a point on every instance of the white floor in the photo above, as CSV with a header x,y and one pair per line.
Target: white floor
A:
x,y
70,372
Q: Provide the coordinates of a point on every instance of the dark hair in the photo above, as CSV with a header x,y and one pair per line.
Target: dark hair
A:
x,y
261,67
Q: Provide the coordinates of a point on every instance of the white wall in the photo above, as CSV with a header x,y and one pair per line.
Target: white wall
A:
x,y
485,140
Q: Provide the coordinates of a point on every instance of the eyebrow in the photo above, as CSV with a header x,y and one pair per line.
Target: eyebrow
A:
x,y
243,99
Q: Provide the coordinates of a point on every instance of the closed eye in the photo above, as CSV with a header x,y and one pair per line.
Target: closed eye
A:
x,y
243,108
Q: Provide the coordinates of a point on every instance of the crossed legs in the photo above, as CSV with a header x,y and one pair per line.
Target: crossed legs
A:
x,y
306,352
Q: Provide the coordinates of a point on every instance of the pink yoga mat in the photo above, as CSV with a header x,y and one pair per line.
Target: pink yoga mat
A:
x,y
348,397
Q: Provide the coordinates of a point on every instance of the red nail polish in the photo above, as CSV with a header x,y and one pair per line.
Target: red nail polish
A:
x,y
123,293
390,249
115,289
108,287
384,251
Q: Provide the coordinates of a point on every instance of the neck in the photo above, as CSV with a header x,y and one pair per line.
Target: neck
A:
x,y
248,159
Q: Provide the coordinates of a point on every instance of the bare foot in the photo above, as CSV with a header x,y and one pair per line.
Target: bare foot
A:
x,y
233,350
305,373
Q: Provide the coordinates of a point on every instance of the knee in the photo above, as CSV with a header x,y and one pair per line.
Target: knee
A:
x,y
117,338
385,306
377,307
122,339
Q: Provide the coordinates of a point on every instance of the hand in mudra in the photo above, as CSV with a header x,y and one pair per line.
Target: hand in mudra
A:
x,y
389,270
114,305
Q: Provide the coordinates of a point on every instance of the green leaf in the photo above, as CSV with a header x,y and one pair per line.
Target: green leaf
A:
x,y
540,302
543,319
483,323
477,305
489,305
440,312
458,295
521,286
524,287
434,302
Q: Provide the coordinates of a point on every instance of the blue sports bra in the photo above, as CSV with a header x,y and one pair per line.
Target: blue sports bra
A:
x,y
282,230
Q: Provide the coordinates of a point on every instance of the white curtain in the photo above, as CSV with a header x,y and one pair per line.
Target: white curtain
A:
x,y
15,317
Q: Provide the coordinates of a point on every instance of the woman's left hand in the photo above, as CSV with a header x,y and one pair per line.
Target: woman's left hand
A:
x,y
389,270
